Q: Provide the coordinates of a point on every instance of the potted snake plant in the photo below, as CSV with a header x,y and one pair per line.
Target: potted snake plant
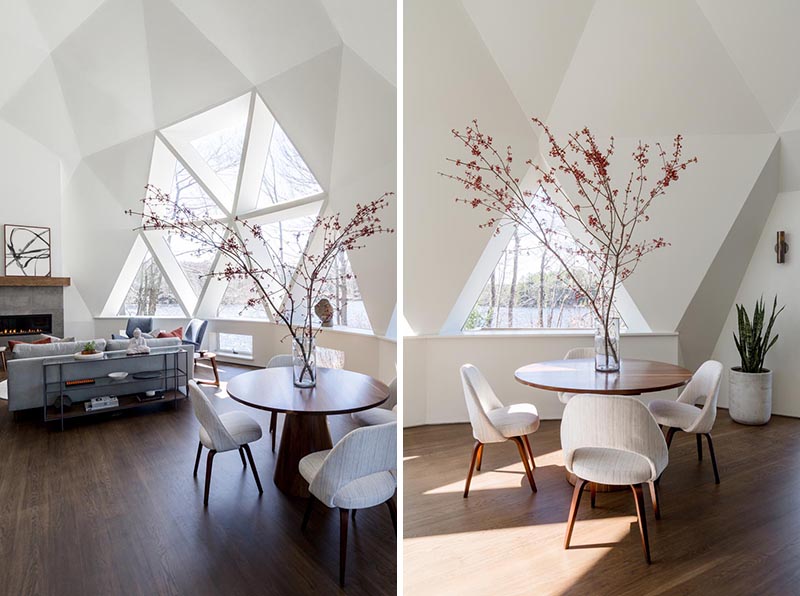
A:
x,y
750,395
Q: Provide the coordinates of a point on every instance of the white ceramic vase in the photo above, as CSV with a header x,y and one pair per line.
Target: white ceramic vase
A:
x,y
750,396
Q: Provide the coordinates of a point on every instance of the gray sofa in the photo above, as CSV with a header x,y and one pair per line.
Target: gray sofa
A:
x,y
27,365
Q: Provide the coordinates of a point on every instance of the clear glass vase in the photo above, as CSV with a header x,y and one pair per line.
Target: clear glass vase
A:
x,y
606,346
304,361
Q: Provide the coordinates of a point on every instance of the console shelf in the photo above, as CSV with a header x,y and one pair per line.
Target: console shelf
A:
x,y
126,402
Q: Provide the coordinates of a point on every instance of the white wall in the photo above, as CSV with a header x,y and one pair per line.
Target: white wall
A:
x,y
432,390
364,353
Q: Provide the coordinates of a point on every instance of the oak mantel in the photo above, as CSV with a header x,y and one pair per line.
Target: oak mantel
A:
x,y
36,282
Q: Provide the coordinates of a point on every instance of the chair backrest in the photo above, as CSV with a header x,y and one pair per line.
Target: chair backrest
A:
x,y
143,324
195,331
362,452
615,422
575,354
480,399
704,384
280,360
208,418
392,401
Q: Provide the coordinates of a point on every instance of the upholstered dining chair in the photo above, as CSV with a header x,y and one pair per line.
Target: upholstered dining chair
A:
x,y
194,333
575,354
277,361
492,422
683,415
386,412
359,472
222,432
613,439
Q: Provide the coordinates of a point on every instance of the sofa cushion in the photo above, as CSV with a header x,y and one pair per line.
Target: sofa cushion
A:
x,y
115,345
23,351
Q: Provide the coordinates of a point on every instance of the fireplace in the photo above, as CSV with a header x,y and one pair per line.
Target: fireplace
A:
x,y
13,325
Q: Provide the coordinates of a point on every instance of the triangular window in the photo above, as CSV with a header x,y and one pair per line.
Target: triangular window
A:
x,y
286,175
150,295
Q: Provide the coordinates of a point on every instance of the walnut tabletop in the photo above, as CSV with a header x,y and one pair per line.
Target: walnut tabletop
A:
x,y
305,428
579,376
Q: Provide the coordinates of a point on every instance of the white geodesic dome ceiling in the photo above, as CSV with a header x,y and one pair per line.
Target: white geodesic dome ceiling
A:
x,y
94,81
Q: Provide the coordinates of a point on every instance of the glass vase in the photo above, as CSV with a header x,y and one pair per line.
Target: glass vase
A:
x,y
304,361
606,346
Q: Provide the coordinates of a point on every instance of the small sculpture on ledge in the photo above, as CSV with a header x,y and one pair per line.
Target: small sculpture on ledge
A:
x,y
324,310
138,344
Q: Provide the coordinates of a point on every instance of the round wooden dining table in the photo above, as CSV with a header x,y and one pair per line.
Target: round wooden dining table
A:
x,y
305,428
579,376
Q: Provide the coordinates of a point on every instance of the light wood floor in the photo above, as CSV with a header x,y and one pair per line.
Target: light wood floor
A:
x,y
110,507
739,537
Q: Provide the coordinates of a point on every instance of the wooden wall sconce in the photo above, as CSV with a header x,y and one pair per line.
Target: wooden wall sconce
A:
x,y
781,248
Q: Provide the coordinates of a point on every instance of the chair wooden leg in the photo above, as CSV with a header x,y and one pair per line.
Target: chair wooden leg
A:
x,y
654,498
273,425
249,453
241,454
713,457
480,458
577,493
209,463
353,514
524,456
530,452
699,448
307,515
393,512
640,514
593,492
478,446
342,544
671,433
197,459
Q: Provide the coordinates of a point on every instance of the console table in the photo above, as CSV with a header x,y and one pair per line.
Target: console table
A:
x,y
165,370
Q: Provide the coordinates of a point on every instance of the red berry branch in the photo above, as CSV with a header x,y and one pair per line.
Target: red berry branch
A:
x,y
606,216
286,291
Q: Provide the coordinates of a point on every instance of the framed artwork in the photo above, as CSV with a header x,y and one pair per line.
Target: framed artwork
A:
x,y
26,251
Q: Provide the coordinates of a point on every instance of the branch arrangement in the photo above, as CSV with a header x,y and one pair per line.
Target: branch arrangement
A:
x,y
287,292
606,216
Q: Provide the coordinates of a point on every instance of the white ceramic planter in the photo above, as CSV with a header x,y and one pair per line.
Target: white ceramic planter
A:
x,y
750,397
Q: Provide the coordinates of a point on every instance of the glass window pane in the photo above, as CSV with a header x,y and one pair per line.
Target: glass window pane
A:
x,y
286,175
222,150
233,343
342,290
234,301
150,295
195,259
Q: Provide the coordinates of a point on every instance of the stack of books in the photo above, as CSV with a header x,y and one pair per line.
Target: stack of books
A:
x,y
101,403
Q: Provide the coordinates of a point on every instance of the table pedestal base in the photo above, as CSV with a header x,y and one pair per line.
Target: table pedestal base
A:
x,y
601,488
302,434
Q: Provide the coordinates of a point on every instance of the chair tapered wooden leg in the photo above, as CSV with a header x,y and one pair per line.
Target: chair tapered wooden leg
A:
x,y
573,509
342,543
713,457
640,514
393,512
654,498
249,453
530,452
273,425
524,456
478,446
593,492
209,463
671,433
480,458
353,514
241,454
699,448
197,459
307,515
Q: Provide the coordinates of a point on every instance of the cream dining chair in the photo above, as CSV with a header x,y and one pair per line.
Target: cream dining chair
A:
x,y
575,354
613,439
359,472
492,422
386,412
683,415
222,432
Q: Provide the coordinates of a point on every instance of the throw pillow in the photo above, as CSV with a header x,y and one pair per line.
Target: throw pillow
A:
x,y
12,343
174,333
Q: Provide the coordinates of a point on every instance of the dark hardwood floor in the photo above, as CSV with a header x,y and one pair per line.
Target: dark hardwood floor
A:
x,y
739,537
110,507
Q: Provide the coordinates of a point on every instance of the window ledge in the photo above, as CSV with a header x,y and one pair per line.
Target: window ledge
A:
x,y
532,333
